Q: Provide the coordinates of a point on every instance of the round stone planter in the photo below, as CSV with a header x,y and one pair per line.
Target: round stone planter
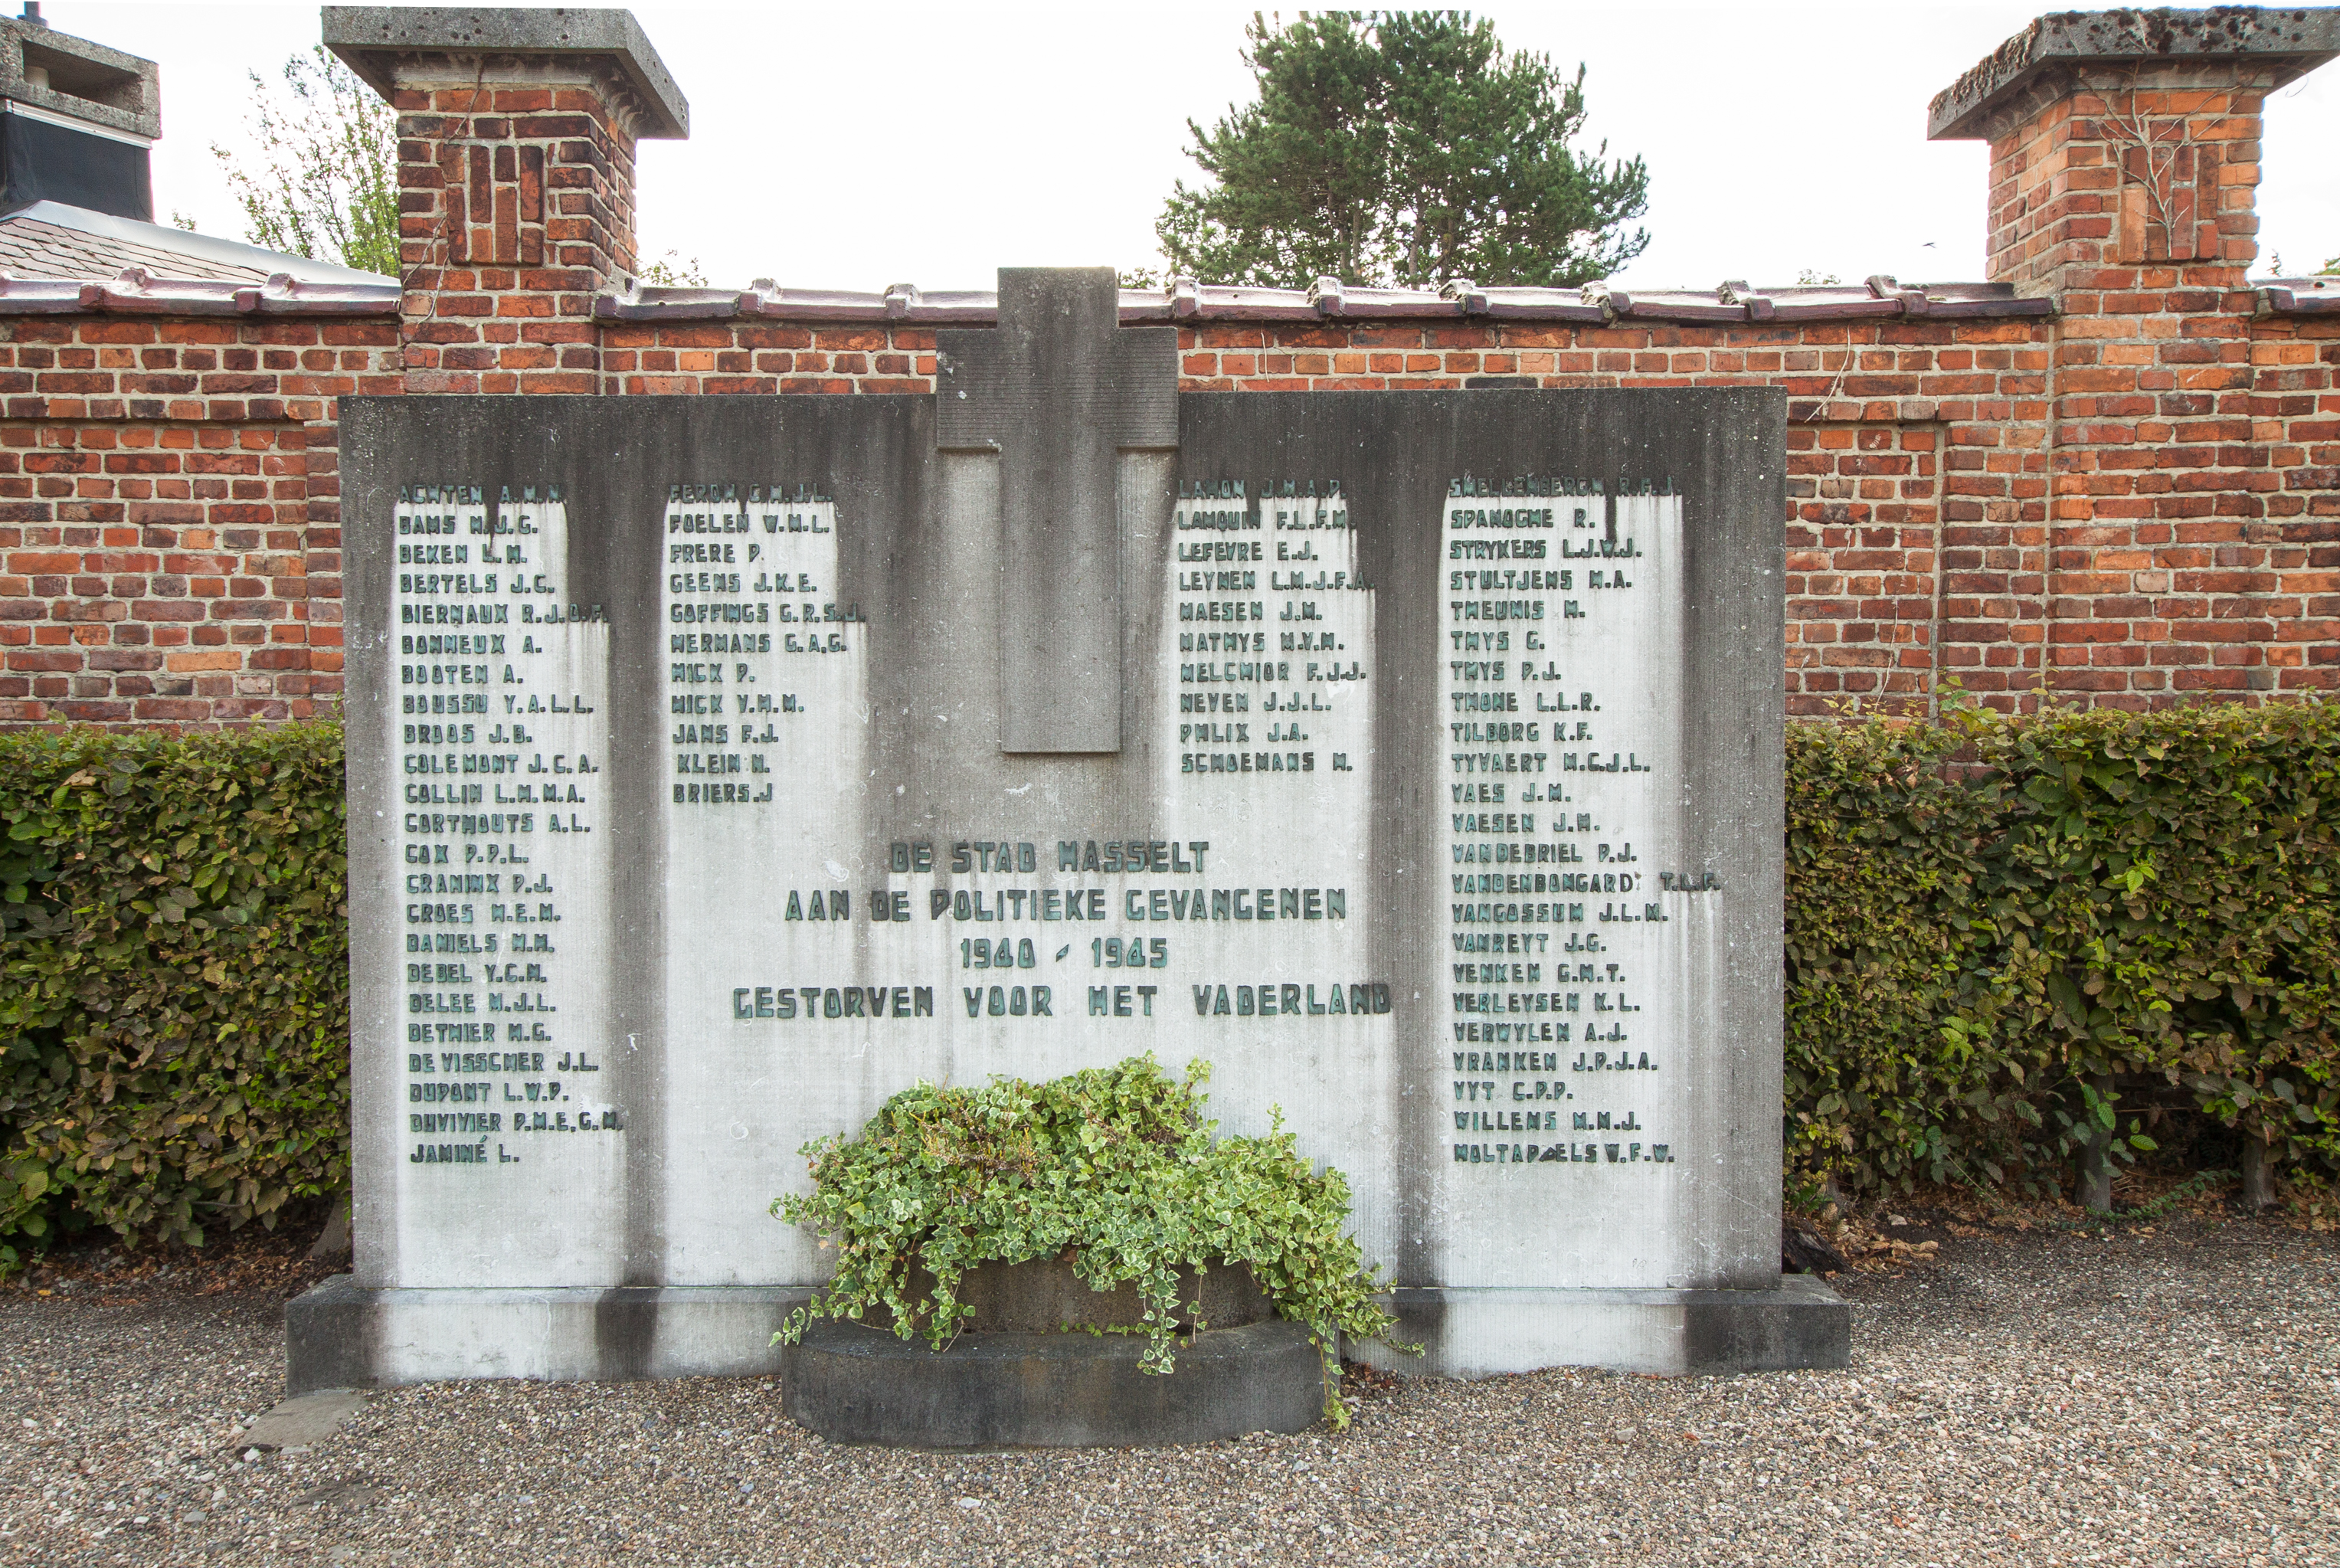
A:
x,y
1031,1372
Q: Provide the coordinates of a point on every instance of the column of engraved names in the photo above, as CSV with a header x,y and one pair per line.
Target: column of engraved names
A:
x,y
1541,863
1269,627
762,782
746,574
1273,620
498,724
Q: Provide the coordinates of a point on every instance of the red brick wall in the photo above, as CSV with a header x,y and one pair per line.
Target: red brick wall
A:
x,y
2136,501
516,206
2295,413
164,555
2154,164
2109,506
1916,483
168,514
1874,411
2131,201
755,359
2191,453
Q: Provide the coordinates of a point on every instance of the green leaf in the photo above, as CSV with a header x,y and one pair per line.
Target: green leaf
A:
x,y
1401,147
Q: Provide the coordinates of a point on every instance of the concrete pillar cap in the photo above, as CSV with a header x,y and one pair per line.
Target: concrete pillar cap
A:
x,y
2036,66
375,39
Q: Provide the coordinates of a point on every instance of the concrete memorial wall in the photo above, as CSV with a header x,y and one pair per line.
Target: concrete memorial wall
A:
x,y
719,768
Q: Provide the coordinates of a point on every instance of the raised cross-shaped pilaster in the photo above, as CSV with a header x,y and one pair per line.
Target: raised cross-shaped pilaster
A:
x,y
1058,389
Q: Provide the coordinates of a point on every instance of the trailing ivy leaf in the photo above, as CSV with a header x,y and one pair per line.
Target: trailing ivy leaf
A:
x,y
1114,1168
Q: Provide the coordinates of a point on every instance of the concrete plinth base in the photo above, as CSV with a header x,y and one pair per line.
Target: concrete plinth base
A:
x,y
857,1384
1484,1333
340,1335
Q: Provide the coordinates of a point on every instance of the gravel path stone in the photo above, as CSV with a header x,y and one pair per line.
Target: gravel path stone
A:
x,y
2162,1398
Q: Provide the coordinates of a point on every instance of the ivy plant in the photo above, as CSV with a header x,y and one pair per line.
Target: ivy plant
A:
x,y
1114,1168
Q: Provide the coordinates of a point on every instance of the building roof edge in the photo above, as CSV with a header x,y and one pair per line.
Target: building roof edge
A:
x,y
186,242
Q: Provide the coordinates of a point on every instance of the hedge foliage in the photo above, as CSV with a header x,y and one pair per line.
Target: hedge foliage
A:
x,y
173,978
1987,915
1983,916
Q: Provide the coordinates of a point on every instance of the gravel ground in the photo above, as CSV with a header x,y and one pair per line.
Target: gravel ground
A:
x,y
2158,1397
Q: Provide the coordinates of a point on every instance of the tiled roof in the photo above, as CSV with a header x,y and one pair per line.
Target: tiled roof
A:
x,y
53,240
1329,300
30,248
1878,297
96,262
136,293
2309,296
59,258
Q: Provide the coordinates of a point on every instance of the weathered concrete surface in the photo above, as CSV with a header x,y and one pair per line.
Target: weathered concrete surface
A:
x,y
1043,1297
2033,68
340,1334
852,1384
1708,979
1472,1333
372,39
1318,536
1056,390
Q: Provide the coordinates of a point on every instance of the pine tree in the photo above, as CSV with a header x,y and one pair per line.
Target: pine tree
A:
x,y
1402,148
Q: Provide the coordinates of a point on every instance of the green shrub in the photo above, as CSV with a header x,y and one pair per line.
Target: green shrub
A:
x,y
1114,1164
174,978
1985,915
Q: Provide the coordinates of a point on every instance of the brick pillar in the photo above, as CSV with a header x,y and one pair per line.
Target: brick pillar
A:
x,y
2132,165
2124,151
516,134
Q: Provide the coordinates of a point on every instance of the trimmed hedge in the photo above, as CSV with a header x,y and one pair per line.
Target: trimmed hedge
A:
x,y
173,978
1987,915
1983,918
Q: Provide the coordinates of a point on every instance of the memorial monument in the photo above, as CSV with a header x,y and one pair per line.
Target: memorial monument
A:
x,y
720,767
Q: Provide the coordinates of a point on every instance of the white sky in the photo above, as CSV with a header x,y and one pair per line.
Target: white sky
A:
x,y
871,144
